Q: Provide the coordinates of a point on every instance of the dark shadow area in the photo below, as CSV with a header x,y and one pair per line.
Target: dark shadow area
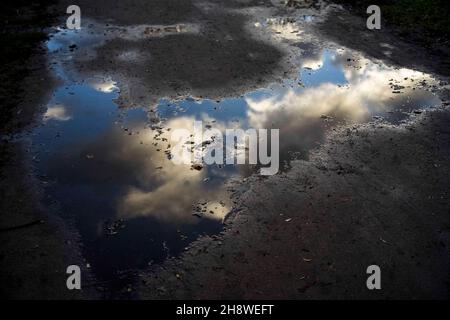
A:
x,y
424,46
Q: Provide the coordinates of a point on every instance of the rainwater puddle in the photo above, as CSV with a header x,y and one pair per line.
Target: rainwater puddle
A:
x,y
108,168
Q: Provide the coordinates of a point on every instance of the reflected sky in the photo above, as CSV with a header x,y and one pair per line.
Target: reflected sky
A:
x,y
108,167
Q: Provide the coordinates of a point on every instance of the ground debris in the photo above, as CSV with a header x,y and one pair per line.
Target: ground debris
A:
x,y
113,227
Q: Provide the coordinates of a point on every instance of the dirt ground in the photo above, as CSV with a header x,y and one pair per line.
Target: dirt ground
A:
x,y
372,194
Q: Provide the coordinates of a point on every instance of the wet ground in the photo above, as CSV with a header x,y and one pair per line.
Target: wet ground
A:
x,y
101,149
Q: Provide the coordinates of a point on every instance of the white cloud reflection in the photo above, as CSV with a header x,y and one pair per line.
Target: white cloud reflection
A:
x,y
368,91
57,112
175,188
296,112
103,85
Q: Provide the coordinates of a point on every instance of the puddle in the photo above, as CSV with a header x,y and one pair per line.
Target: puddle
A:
x,y
108,170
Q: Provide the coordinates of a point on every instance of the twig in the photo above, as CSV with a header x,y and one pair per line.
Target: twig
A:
x,y
26,225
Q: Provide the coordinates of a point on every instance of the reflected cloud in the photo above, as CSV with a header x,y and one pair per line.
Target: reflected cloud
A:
x,y
372,89
177,187
313,64
285,28
136,162
103,85
56,112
